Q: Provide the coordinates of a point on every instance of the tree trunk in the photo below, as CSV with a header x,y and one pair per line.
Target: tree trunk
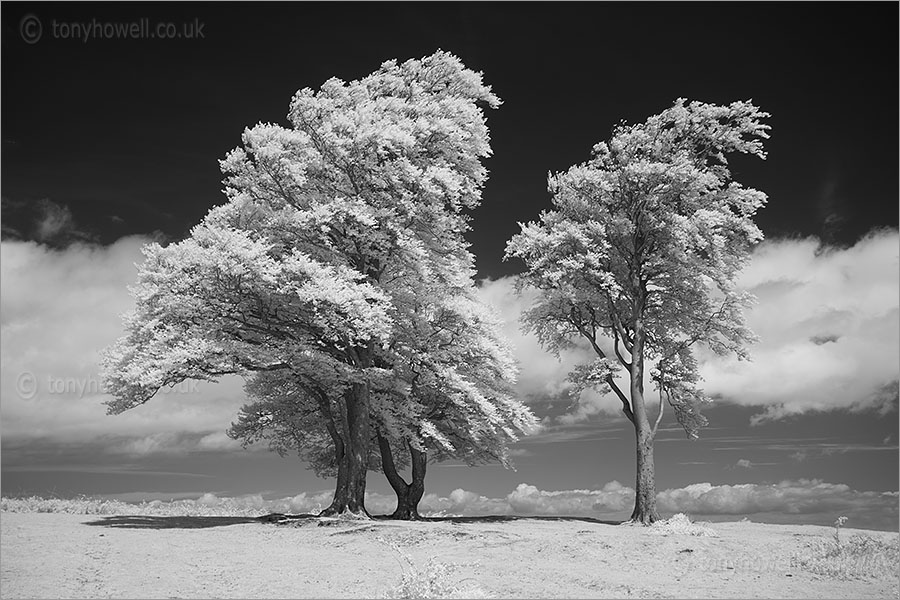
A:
x,y
417,487
408,494
398,484
342,490
645,483
340,457
350,497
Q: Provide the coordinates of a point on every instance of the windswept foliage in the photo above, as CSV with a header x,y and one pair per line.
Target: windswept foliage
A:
x,y
310,275
643,246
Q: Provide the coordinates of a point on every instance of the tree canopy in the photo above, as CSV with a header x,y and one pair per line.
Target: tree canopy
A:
x,y
333,229
643,246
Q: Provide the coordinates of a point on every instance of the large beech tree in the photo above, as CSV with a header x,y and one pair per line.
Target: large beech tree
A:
x,y
309,267
638,259
431,405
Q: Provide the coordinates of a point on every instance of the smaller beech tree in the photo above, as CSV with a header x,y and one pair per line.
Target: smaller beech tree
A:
x,y
643,246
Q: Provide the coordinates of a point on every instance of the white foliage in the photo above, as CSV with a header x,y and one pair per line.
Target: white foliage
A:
x,y
339,257
646,239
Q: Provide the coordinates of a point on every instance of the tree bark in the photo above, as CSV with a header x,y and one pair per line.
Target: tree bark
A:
x,y
342,490
350,494
340,457
645,511
398,484
417,487
645,483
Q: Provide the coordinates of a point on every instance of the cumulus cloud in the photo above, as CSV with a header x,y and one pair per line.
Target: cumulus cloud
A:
x,y
829,322
800,501
58,309
543,376
527,499
462,503
804,500
828,319
801,497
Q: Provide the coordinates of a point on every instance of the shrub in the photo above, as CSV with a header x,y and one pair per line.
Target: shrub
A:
x,y
681,524
862,556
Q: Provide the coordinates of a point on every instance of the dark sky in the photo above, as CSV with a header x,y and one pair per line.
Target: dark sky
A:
x,y
126,134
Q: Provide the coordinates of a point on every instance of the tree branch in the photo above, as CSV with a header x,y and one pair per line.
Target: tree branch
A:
x,y
626,405
622,360
659,414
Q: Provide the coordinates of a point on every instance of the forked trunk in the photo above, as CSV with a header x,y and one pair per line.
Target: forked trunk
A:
x,y
417,487
408,494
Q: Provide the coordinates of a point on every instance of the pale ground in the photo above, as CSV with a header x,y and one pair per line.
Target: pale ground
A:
x,y
87,556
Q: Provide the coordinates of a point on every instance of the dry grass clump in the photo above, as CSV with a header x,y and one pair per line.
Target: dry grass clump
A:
x,y
206,506
681,524
435,580
861,556
74,506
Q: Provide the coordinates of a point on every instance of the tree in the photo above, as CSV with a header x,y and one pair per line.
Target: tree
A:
x,y
456,372
307,268
432,404
643,245
225,301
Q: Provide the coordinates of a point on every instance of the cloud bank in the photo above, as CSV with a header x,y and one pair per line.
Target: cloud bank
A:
x,y
828,319
829,323
58,309
800,501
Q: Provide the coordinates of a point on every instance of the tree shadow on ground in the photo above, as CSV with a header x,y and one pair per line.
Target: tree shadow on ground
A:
x,y
281,518
182,522
147,522
507,518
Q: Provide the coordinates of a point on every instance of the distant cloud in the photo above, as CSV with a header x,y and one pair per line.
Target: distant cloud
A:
x,y
815,499
799,456
801,497
55,221
58,309
801,501
806,500
543,376
796,449
171,443
43,221
743,463
829,322
527,499
828,319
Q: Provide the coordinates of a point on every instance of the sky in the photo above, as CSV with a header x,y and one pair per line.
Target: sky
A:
x,y
110,143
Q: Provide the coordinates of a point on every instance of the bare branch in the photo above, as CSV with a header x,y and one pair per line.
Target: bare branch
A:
x,y
658,414
622,360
